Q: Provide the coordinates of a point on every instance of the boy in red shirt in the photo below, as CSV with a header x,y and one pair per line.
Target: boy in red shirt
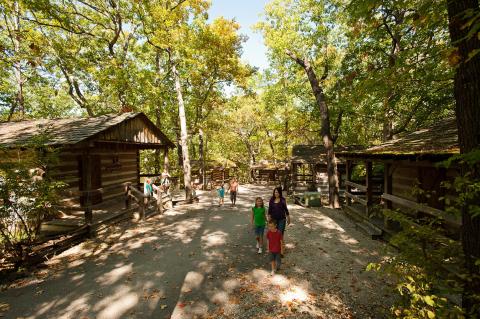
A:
x,y
275,241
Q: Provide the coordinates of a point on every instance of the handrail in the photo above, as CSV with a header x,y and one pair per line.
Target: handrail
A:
x,y
422,208
356,198
360,187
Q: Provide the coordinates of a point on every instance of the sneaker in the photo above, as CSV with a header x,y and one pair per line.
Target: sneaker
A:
x,y
272,273
259,250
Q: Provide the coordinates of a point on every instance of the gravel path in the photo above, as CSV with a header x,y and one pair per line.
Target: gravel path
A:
x,y
200,262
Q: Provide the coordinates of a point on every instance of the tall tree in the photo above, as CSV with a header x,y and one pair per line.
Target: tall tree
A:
x,y
307,33
464,18
395,73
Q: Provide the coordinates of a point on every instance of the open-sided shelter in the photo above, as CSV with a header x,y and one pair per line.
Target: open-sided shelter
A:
x,y
268,172
308,168
412,175
96,155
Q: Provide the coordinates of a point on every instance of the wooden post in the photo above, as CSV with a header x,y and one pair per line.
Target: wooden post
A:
x,y
387,182
348,176
165,159
368,167
142,203
160,201
138,167
87,187
128,192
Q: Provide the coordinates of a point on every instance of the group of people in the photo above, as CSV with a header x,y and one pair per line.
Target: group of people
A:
x,y
232,189
151,189
276,216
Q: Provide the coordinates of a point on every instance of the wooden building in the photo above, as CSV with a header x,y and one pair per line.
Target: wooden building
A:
x,y
308,168
412,178
215,172
97,156
270,173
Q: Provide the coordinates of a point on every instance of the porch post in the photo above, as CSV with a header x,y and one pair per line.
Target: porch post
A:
x,y
348,176
165,159
388,177
87,186
368,166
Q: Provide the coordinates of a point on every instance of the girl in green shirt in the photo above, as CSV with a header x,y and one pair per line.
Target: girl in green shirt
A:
x,y
259,221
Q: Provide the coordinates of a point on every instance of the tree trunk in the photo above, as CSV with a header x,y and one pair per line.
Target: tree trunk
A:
x,y
157,166
201,152
17,65
183,136
333,185
467,96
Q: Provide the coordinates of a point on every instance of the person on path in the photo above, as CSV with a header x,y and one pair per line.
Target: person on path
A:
x,y
275,245
233,190
221,194
278,211
147,188
258,222
165,182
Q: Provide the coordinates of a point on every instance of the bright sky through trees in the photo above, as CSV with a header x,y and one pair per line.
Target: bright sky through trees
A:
x,y
247,13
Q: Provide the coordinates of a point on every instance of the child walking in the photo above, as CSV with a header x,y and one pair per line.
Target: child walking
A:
x,y
275,241
221,194
258,222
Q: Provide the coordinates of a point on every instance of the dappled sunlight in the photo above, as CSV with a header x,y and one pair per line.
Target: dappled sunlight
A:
x,y
117,305
114,275
295,294
193,280
231,284
183,230
217,238
348,240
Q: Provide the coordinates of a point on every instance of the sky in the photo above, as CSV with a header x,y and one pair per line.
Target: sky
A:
x,y
246,13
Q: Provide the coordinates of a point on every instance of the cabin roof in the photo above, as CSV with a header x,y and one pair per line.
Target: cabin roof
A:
x,y
316,153
437,141
70,131
267,165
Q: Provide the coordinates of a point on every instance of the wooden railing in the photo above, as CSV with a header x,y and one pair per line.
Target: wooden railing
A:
x,y
132,193
422,208
357,186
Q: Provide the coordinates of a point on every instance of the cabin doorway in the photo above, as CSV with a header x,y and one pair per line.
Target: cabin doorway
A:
x,y
94,171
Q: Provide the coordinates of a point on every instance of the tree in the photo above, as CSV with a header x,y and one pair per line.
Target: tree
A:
x,y
395,75
307,33
465,38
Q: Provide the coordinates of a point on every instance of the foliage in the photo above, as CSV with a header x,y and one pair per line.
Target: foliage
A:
x,y
26,195
429,269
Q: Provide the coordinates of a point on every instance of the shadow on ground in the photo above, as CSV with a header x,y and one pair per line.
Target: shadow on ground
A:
x,y
200,262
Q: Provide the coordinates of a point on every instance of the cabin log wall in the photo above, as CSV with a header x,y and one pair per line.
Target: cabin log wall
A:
x,y
116,168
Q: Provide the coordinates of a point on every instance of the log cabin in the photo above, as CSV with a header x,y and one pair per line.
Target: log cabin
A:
x,y
412,177
96,156
270,173
308,168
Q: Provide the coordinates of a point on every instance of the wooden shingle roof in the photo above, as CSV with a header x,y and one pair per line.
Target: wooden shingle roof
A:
x,y
316,153
70,131
438,140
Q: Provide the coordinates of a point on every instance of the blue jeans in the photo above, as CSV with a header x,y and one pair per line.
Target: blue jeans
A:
x,y
276,257
259,230
281,223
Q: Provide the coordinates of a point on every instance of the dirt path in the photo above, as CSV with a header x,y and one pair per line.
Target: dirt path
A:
x,y
202,263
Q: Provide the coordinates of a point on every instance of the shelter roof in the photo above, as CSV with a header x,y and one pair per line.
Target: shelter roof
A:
x,y
127,127
438,140
316,153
